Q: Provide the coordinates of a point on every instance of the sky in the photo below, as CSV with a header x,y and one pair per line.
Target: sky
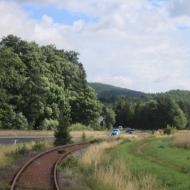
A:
x,y
142,45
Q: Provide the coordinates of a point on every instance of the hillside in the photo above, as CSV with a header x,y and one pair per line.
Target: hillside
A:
x,y
105,90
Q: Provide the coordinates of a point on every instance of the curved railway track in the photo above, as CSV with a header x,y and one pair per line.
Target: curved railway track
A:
x,y
40,172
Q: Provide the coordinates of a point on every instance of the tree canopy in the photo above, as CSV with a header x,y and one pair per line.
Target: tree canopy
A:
x,y
35,79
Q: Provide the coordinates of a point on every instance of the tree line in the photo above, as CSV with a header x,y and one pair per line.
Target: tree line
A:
x,y
155,111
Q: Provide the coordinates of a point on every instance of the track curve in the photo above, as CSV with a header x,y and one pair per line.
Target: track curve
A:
x,y
40,171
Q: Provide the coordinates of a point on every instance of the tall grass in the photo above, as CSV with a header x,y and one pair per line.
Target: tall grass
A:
x,y
114,174
10,152
76,135
97,170
94,154
182,140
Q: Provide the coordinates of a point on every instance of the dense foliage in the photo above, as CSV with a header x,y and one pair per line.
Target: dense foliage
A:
x,y
151,111
35,79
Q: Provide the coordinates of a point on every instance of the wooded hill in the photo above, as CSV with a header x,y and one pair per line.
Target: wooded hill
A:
x,y
105,90
35,82
146,111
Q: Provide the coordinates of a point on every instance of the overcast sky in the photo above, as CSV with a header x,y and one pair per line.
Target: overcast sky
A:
x,y
138,44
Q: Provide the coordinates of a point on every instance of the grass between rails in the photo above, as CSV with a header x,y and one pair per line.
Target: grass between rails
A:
x,y
98,170
158,157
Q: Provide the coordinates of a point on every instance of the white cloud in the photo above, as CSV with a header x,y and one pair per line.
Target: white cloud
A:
x,y
132,44
180,7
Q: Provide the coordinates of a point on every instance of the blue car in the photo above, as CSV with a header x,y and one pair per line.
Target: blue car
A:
x,y
116,132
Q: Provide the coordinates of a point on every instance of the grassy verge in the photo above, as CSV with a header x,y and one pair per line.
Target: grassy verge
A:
x,y
158,157
8,152
182,140
97,169
13,156
88,135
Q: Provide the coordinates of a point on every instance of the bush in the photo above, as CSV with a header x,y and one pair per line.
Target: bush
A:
x,y
83,137
38,146
49,124
15,120
21,150
79,127
169,130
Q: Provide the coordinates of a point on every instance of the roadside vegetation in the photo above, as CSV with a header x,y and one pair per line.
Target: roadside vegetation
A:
x,y
96,169
158,157
182,140
80,127
9,152
13,156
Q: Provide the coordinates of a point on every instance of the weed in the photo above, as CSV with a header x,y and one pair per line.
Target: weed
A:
x,y
83,137
70,162
39,145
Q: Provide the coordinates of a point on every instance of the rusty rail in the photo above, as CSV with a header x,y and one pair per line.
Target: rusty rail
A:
x,y
59,161
27,164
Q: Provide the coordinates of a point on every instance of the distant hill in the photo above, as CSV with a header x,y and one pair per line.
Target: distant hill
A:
x,y
105,90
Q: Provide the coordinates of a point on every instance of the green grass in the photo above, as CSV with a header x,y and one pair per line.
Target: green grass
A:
x,y
96,169
158,157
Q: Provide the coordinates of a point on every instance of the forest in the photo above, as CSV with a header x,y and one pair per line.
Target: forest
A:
x,y
146,111
158,112
36,80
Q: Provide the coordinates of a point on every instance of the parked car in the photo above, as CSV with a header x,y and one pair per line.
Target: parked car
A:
x,y
116,132
129,130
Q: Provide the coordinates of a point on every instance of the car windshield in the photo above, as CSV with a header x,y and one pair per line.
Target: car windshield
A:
x,y
116,130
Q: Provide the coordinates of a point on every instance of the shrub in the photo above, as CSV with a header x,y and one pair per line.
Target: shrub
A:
x,y
38,146
15,120
49,124
20,150
169,130
79,127
83,137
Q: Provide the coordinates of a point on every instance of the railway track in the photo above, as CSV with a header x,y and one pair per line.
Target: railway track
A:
x,y
40,172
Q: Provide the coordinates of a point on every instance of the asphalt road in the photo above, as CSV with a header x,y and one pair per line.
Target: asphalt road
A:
x,y
17,140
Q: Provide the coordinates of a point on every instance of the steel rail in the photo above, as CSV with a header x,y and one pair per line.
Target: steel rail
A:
x,y
61,159
30,161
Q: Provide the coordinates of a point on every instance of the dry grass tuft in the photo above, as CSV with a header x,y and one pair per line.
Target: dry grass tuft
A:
x,y
89,134
94,153
182,140
114,174
5,150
